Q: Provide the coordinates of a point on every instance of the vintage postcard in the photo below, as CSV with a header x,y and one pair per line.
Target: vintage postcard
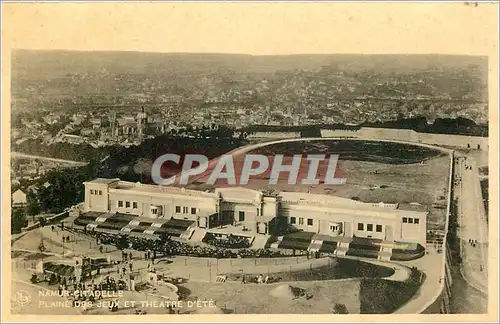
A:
x,y
218,161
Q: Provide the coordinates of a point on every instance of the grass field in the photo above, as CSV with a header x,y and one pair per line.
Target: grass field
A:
x,y
373,151
338,269
255,299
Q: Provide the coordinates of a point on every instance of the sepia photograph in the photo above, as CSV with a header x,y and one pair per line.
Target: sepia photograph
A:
x,y
211,161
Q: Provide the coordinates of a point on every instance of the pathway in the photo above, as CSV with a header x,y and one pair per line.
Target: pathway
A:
x,y
472,225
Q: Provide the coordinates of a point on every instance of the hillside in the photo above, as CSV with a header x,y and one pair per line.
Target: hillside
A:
x,y
51,64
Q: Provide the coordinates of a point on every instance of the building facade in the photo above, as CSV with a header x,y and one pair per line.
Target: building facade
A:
x,y
256,212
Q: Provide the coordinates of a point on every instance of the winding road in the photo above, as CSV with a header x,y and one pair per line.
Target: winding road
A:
x,y
472,225
45,158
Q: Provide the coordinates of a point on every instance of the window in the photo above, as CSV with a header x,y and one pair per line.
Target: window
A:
x,y
154,211
184,210
258,212
379,228
333,228
91,191
177,209
361,227
100,192
310,221
410,220
241,216
416,221
405,220
301,221
292,220
369,227
134,204
120,203
127,204
193,211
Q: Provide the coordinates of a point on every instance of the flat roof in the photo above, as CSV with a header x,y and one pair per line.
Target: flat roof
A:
x,y
290,198
157,189
102,181
355,209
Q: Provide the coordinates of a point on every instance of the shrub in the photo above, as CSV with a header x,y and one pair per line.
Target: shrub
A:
x,y
340,309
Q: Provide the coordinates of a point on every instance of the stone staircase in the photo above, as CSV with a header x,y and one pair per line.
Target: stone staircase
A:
x,y
187,234
92,226
385,253
259,241
102,218
277,243
315,245
341,249
126,229
198,235
133,223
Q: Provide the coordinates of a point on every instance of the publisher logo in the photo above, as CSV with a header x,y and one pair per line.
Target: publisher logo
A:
x,y
22,298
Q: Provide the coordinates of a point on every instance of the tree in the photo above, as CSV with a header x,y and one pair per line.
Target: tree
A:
x,y
340,309
33,206
43,222
17,221
122,242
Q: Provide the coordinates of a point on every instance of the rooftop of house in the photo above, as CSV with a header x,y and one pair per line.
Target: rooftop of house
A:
x,y
157,189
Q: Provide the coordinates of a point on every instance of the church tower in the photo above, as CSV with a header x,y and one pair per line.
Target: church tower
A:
x,y
142,119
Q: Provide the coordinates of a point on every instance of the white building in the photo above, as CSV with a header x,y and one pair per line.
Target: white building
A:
x,y
257,212
19,198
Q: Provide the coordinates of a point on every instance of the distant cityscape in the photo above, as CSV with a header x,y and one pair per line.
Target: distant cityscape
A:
x,y
102,101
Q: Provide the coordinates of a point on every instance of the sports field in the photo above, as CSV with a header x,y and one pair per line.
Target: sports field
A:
x,y
412,176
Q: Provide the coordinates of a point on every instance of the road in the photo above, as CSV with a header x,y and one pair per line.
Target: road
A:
x,y
472,224
37,157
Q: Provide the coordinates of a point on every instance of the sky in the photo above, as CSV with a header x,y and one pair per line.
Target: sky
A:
x,y
253,28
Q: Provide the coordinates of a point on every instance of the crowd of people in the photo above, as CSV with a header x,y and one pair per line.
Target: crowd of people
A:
x,y
166,246
231,242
